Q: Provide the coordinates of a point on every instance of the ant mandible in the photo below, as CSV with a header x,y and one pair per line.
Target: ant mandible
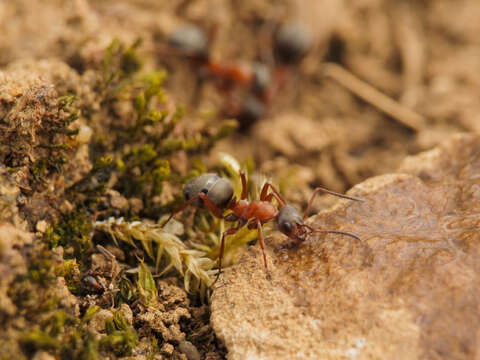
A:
x,y
216,193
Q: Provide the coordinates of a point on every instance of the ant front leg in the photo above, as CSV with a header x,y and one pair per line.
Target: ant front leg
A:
x,y
180,209
211,206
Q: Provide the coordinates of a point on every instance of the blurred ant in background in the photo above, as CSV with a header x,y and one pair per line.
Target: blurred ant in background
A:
x,y
216,194
257,84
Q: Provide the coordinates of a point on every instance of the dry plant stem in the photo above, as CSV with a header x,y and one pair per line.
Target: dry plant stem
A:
x,y
409,38
371,95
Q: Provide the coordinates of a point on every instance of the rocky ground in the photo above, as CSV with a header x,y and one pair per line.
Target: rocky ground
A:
x,y
97,121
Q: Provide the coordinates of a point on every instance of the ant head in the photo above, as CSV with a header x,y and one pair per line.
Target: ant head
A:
x,y
292,41
218,190
190,41
290,223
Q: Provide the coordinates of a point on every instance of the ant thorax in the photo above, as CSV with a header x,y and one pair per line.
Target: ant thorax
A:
x,y
256,209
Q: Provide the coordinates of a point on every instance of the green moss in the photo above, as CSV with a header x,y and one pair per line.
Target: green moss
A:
x,y
146,285
127,292
144,154
90,313
34,340
69,270
89,351
134,149
57,141
73,230
121,338
119,62
39,169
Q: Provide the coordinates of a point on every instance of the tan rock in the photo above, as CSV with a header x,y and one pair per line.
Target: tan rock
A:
x,y
97,323
127,313
12,263
167,349
410,289
42,355
41,226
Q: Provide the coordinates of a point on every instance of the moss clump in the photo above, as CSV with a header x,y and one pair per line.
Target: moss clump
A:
x,y
57,141
43,320
38,340
121,338
137,133
73,230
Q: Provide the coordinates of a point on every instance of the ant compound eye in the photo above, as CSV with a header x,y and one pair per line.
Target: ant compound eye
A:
x,y
288,217
286,228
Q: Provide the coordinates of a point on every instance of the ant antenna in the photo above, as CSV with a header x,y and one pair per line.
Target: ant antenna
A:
x,y
320,189
312,230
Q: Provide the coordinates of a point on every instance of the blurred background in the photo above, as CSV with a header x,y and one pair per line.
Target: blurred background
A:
x,y
415,52
324,93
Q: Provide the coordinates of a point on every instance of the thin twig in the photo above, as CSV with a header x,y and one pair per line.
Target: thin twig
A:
x,y
371,95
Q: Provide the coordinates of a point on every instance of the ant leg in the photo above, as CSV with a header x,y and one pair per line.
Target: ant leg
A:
x,y
263,195
274,196
320,189
262,244
222,248
244,185
179,209
280,77
211,206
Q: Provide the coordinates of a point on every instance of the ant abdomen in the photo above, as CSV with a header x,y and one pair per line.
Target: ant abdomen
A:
x,y
190,41
292,41
218,190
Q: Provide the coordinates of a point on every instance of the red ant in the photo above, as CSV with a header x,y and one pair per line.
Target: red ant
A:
x,y
191,42
291,43
216,194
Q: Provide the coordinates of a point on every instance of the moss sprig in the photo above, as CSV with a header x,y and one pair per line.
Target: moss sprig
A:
x,y
192,264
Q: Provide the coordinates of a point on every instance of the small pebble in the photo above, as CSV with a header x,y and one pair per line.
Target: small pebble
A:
x,y
41,226
189,349
42,355
84,134
167,349
127,312
66,207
